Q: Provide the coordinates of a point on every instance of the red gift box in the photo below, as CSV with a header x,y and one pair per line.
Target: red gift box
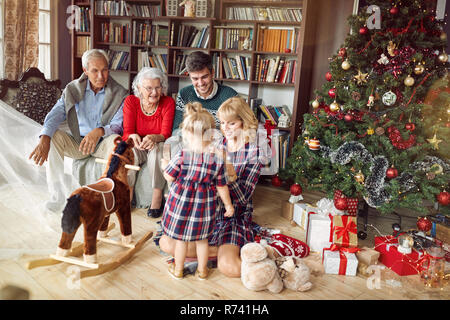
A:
x,y
352,203
402,264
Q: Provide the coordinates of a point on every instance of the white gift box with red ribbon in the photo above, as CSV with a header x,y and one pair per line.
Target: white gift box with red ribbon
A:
x,y
318,232
301,214
339,261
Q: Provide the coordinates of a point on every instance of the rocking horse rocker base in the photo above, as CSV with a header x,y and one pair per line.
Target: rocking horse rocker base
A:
x,y
72,256
91,206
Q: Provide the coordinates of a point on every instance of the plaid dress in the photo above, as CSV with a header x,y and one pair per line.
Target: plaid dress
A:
x,y
238,230
190,211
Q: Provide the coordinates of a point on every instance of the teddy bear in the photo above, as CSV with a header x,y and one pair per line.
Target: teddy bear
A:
x,y
294,273
258,271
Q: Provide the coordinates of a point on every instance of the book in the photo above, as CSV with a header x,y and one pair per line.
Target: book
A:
x,y
163,35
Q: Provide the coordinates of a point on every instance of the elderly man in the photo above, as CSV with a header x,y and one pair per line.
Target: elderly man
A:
x,y
203,89
92,106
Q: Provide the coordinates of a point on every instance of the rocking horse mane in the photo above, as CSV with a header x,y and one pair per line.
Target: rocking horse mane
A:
x,y
114,163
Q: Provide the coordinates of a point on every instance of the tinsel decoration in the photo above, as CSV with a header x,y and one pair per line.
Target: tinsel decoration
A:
x,y
397,140
376,195
428,163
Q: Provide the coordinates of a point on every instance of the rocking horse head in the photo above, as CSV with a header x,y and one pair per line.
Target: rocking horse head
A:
x,y
119,159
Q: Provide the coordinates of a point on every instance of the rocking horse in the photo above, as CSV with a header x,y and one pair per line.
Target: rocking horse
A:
x,y
92,206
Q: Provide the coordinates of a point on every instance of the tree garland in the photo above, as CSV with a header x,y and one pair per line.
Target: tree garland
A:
x,y
375,184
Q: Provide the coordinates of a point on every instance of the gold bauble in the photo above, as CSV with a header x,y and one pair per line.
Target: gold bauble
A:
x,y
409,81
345,65
335,107
419,69
359,177
443,36
370,131
443,57
315,104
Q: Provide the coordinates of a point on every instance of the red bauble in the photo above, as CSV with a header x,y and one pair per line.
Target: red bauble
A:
x,y
342,52
341,203
410,126
276,181
332,93
424,224
394,10
348,117
328,76
391,173
447,124
296,189
443,198
363,30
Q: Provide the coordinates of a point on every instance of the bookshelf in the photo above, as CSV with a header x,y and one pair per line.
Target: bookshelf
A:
x,y
246,39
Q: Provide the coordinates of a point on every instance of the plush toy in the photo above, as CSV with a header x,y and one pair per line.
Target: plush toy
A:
x,y
258,271
92,205
294,273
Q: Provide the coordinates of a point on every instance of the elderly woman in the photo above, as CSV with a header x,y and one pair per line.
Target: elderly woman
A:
x,y
148,119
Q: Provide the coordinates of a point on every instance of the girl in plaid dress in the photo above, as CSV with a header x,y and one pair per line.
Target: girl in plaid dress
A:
x,y
196,173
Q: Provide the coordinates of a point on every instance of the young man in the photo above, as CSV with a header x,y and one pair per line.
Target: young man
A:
x,y
203,89
92,106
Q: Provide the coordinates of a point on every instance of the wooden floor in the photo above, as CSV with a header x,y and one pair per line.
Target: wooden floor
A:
x,y
145,276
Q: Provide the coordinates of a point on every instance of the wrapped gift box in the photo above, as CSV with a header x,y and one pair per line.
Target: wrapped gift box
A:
x,y
402,264
344,231
318,232
368,256
338,261
287,210
443,232
301,214
352,203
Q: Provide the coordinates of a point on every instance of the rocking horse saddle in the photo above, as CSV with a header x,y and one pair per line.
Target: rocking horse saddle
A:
x,y
104,186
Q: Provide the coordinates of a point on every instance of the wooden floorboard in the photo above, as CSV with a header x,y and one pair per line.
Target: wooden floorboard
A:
x,y
145,276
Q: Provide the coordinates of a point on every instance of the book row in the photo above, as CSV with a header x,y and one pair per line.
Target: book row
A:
x,y
259,13
148,34
277,69
114,32
83,44
189,36
233,38
272,113
84,23
122,8
118,60
278,39
229,67
153,60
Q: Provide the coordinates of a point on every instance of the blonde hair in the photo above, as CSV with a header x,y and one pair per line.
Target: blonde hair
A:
x,y
237,108
196,118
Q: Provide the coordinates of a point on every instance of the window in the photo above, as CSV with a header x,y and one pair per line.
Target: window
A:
x,y
45,51
1,39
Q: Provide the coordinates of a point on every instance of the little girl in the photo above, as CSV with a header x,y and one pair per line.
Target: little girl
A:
x,y
196,172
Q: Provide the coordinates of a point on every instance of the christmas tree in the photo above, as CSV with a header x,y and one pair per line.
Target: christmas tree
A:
x,y
380,125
